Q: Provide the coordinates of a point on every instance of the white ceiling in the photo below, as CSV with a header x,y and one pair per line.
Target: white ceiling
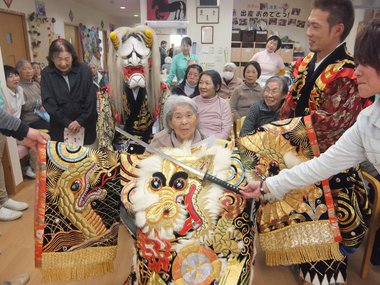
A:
x,y
112,7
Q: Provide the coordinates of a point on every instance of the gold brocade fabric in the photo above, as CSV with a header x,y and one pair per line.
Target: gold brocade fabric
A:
x,y
105,125
77,214
185,229
296,229
189,231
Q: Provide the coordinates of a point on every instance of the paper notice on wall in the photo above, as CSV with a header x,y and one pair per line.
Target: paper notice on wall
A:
x,y
205,50
209,65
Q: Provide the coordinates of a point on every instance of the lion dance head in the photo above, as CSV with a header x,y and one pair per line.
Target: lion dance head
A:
x,y
134,61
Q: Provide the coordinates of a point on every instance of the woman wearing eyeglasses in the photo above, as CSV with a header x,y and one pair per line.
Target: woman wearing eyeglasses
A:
x,y
268,108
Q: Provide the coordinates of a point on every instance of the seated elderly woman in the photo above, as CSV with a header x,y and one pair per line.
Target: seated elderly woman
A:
x,y
268,108
215,116
180,123
36,71
15,100
188,87
32,112
248,93
167,63
229,80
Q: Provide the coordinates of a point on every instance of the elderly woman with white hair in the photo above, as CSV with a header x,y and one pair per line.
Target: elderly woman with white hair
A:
x,y
229,80
180,123
32,97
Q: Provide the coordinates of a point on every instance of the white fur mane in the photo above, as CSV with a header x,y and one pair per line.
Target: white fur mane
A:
x,y
208,197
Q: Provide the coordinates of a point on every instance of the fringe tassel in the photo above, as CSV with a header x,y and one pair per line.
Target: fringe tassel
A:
x,y
77,265
76,272
304,254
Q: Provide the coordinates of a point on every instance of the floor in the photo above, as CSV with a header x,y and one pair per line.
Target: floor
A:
x,y
17,250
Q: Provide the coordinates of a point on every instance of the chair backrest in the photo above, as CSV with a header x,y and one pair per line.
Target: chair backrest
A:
x,y
376,187
374,224
239,125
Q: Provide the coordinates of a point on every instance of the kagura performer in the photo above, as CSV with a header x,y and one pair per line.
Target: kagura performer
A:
x,y
134,71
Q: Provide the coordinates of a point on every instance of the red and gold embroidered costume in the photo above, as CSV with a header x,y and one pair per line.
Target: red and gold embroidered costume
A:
x,y
328,93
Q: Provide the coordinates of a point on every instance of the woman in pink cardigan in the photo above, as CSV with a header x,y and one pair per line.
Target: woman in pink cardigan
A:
x,y
214,111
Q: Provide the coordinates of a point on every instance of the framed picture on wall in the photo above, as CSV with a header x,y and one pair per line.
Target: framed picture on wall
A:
x,y
207,15
165,11
40,8
207,34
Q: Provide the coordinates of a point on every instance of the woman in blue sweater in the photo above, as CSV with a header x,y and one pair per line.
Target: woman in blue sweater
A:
x,y
181,61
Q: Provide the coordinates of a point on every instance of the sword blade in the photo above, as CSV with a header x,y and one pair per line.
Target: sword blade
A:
x,y
195,171
160,153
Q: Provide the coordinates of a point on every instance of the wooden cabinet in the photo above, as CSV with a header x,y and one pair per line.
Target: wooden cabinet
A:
x,y
247,51
242,52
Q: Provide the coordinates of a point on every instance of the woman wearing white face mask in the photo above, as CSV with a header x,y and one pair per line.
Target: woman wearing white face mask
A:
x,y
229,80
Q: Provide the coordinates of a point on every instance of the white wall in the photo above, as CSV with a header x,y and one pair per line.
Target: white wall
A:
x,y
350,40
296,34
213,56
55,8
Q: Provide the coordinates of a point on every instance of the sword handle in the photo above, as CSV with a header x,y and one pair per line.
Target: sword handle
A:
x,y
222,183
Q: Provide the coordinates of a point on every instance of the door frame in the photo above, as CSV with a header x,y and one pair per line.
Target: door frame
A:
x,y
105,48
80,47
25,30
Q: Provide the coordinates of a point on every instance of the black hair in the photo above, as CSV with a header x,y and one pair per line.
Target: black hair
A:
x,y
277,39
196,66
340,12
366,51
186,41
60,45
256,65
163,42
8,70
215,77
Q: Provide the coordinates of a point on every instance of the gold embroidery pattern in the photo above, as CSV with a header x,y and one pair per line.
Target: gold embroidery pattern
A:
x,y
268,152
303,242
208,216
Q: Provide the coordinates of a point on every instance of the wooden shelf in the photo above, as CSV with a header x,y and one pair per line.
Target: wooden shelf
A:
x,y
242,52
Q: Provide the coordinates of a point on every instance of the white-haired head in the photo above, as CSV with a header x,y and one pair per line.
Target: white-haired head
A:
x,y
172,102
230,64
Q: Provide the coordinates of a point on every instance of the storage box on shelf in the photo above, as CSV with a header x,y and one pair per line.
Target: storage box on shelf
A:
x,y
242,52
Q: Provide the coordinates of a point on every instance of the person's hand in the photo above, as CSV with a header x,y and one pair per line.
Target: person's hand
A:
x,y
35,137
252,189
74,127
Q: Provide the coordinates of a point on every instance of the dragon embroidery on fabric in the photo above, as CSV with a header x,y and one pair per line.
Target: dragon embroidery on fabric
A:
x,y
80,175
187,226
186,230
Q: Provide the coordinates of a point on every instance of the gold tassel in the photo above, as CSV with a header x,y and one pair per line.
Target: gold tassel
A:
x,y
79,264
300,243
304,254
76,272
